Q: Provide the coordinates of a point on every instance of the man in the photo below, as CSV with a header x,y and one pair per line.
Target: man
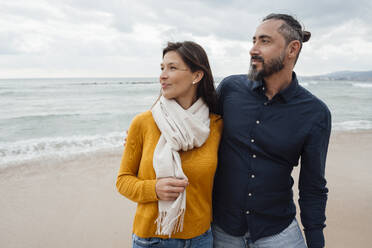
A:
x,y
270,122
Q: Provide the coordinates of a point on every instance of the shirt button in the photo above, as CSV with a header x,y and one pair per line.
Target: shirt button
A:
x,y
249,194
254,156
252,140
258,122
263,88
265,103
253,176
247,212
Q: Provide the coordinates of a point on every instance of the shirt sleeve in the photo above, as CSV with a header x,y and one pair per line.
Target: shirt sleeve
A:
x,y
128,183
312,183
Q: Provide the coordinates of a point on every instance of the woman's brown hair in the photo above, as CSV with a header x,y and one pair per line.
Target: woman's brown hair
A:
x,y
196,59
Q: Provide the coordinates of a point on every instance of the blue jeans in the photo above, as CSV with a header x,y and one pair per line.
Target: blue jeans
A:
x,y
291,237
203,241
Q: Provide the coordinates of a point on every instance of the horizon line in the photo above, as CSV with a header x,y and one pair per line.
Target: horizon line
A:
x,y
112,77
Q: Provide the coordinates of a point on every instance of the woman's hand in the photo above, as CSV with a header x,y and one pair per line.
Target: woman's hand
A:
x,y
169,188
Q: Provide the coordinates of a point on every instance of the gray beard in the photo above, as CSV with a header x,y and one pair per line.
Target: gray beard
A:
x,y
273,66
254,74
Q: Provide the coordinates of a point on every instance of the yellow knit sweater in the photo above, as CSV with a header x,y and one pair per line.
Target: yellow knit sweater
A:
x,y
136,179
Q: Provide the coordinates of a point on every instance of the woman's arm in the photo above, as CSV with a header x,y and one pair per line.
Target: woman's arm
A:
x,y
143,190
127,183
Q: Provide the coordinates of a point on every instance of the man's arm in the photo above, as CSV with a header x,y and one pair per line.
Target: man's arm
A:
x,y
312,182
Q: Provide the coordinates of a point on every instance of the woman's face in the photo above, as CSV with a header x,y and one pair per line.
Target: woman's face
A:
x,y
177,79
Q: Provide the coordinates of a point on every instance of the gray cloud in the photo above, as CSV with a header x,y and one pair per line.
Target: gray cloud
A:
x,y
123,36
233,19
8,44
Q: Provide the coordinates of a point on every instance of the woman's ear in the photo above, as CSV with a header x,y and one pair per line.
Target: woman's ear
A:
x,y
198,75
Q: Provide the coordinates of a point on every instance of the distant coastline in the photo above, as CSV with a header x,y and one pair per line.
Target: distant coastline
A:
x,y
362,76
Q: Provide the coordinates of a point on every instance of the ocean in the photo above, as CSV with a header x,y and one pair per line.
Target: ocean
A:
x,y
60,118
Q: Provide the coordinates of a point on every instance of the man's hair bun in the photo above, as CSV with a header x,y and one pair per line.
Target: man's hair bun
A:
x,y
306,36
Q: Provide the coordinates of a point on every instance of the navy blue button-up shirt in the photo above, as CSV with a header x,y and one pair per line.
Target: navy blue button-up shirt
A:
x,y
261,143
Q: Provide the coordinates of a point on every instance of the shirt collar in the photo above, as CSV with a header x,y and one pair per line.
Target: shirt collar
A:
x,y
286,94
291,90
256,85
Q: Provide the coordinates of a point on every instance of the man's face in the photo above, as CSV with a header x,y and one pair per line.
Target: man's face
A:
x,y
268,52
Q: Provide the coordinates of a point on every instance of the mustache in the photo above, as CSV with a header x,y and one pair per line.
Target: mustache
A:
x,y
256,57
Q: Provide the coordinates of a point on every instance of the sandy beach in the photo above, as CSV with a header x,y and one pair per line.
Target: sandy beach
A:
x,y
74,202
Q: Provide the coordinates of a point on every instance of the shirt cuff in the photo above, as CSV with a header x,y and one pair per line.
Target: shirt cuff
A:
x,y
314,238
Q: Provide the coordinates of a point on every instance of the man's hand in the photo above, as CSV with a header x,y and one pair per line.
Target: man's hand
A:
x,y
169,188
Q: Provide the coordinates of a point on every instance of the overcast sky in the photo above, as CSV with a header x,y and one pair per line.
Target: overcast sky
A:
x,y
120,38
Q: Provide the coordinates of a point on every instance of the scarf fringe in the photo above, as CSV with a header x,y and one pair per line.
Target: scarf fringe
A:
x,y
167,226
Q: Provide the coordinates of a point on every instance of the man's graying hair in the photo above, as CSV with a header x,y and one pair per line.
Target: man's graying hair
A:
x,y
291,29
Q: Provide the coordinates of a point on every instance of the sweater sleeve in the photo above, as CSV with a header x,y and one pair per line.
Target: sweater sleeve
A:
x,y
128,183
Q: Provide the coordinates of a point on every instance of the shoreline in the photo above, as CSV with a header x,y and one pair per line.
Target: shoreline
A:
x,y
75,199
65,157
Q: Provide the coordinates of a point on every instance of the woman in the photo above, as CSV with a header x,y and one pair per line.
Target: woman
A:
x,y
170,156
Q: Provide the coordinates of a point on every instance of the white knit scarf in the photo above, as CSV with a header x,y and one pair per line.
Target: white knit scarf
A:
x,y
180,130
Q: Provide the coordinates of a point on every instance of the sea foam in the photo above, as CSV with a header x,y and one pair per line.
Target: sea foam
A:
x,y
362,85
58,147
352,125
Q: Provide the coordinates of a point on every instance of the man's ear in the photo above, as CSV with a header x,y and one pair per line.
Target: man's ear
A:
x,y
293,49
